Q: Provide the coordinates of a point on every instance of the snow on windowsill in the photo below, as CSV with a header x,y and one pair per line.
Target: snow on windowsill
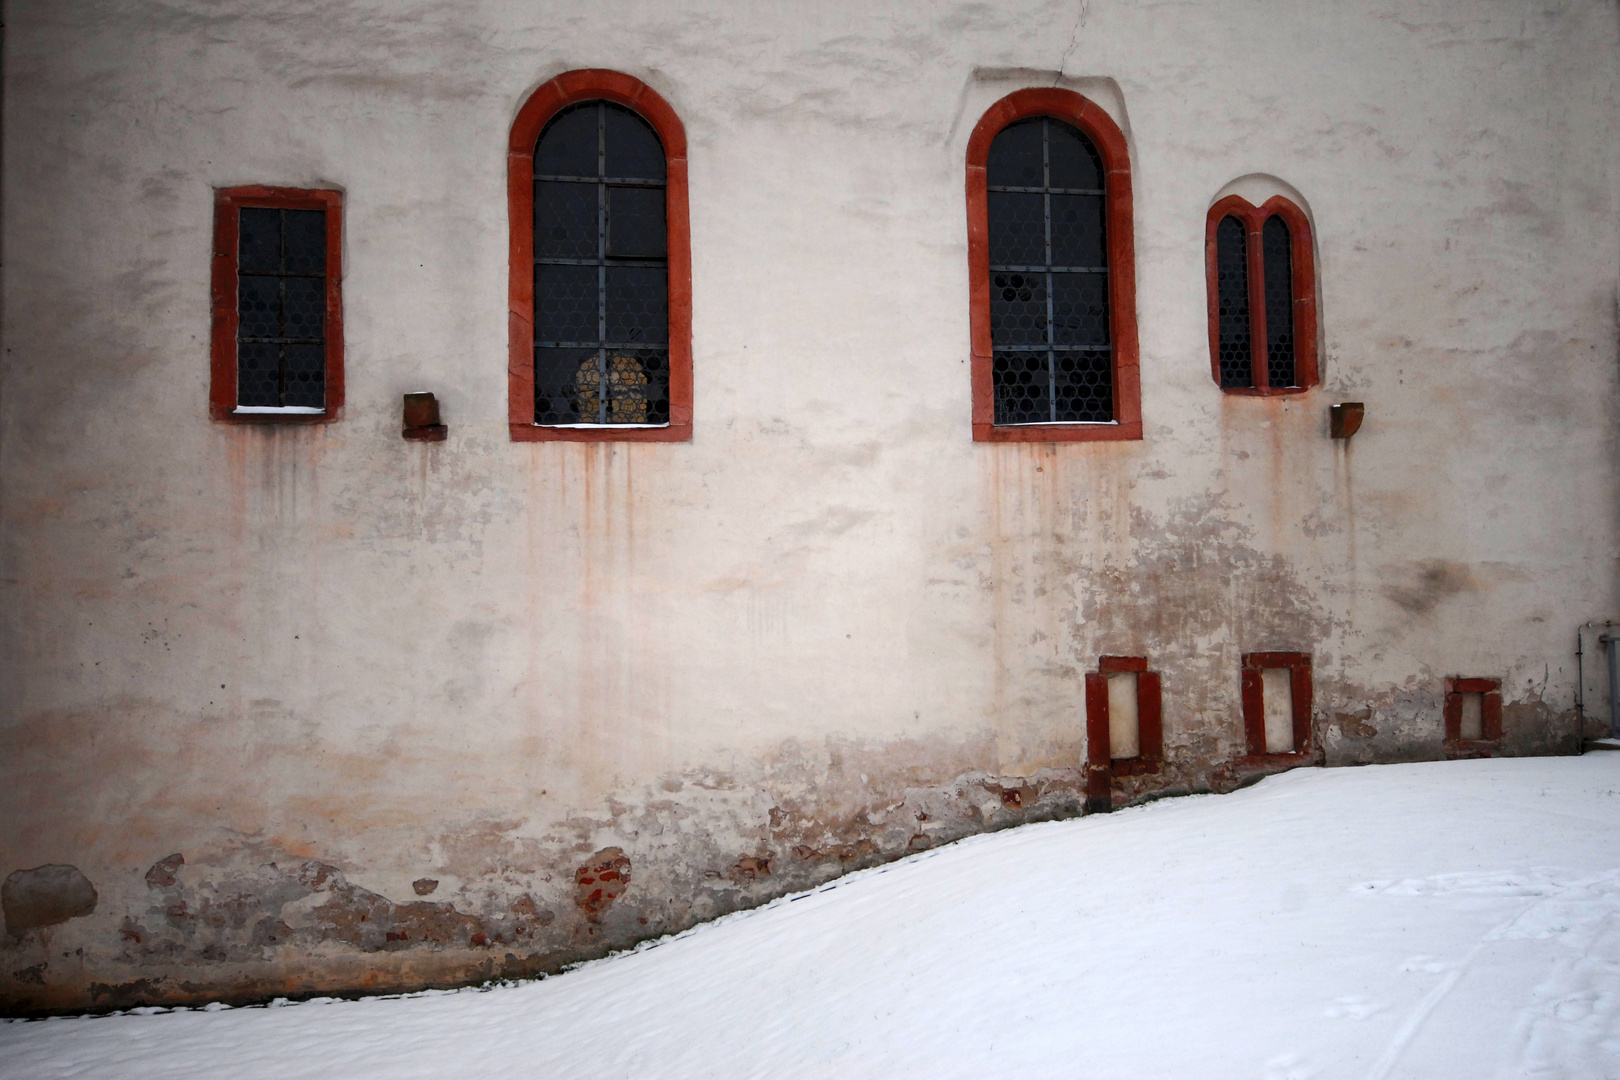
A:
x,y
599,427
277,410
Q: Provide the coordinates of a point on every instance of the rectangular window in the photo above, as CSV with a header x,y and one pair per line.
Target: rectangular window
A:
x,y
1124,725
1473,716
1277,705
277,305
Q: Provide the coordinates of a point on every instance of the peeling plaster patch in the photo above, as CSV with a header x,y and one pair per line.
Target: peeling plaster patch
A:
x,y
424,886
161,875
750,868
601,881
45,896
248,913
249,921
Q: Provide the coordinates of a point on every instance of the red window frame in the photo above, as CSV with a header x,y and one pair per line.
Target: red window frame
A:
x,y
1101,766
1490,716
568,89
228,203
1303,252
1099,127
1254,705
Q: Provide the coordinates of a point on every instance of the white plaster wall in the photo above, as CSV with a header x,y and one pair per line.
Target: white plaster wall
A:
x,y
405,659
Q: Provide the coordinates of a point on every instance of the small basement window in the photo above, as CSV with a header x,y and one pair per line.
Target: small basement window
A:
x,y
1277,704
1473,716
1124,724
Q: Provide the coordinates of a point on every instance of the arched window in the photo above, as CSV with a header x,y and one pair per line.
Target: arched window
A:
x,y
601,281
1262,297
1051,273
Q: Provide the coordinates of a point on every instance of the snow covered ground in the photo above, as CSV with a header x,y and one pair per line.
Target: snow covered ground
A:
x,y
1456,919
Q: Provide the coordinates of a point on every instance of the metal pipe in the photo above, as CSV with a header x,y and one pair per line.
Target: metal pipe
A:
x,y
1580,691
1610,641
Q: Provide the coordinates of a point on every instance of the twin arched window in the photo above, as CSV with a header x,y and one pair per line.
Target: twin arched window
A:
x,y
1262,296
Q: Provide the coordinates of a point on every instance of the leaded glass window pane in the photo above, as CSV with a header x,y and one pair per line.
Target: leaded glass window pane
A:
x,y
1232,299
280,308
1049,320
1277,247
601,274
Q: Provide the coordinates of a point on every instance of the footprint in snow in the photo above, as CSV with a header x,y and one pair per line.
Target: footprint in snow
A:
x,y
1431,964
1289,1067
1354,1008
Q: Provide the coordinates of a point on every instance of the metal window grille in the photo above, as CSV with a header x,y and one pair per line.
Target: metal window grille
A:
x,y
601,277
1232,297
1276,249
281,308
1052,356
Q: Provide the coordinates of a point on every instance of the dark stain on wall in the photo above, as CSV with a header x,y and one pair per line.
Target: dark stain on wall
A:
x,y
45,896
1420,587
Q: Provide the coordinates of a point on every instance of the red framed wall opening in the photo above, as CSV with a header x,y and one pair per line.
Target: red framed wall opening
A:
x,y
1105,759
1291,675
1303,253
568,89
1473,716
1105,135
222,388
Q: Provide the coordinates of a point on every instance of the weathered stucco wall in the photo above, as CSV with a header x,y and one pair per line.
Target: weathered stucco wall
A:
x,y
264,687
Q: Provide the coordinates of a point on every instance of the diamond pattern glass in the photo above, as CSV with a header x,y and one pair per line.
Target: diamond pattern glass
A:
x,y
1235,346
601,279
1049,320
280,308
1276,248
